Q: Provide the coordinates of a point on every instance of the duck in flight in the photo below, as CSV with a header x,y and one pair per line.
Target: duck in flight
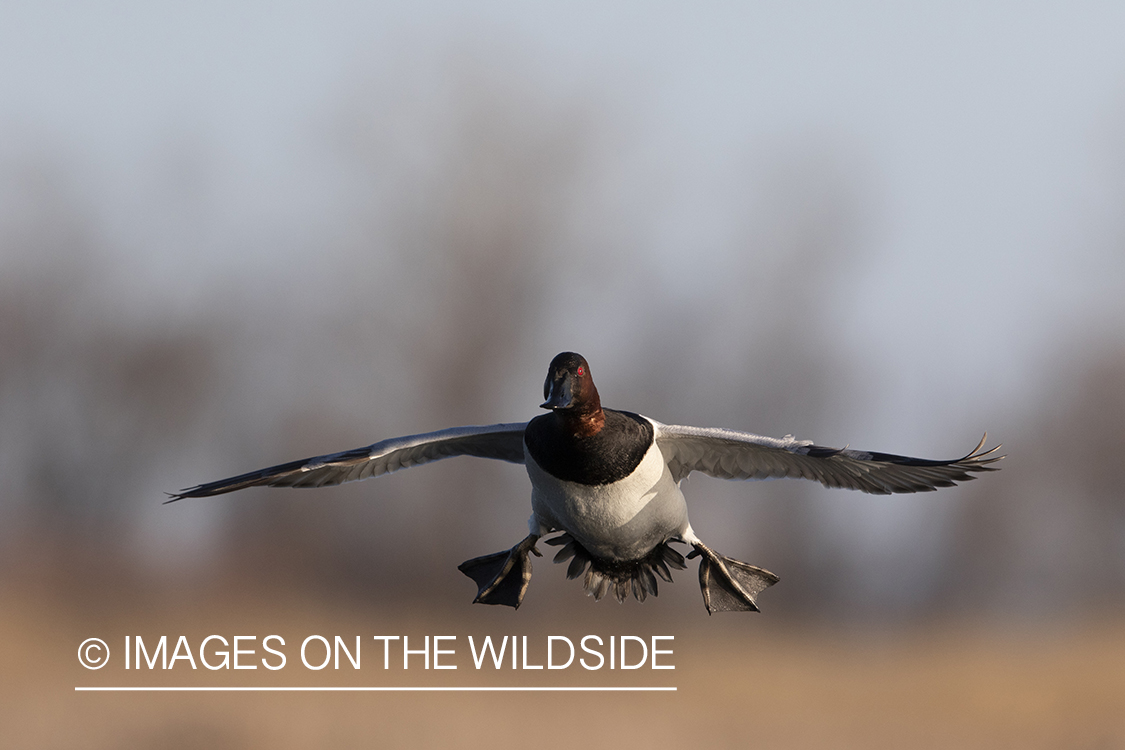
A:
x,y
610,482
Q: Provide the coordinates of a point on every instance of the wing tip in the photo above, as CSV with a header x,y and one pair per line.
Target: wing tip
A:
x,y
190,492
978,460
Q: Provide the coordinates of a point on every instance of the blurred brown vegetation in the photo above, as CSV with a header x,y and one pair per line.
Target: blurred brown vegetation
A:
x,y
460,270
940,685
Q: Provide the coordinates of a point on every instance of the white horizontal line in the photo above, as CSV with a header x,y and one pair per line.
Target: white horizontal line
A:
x,y
382,689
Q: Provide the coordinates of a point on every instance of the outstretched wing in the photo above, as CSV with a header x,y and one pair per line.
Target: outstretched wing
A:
x,y
740,455
500,441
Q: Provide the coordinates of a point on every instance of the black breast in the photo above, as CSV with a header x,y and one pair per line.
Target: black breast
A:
x,y
604,458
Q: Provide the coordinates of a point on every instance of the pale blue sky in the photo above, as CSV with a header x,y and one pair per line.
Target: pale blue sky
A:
x,y
985,143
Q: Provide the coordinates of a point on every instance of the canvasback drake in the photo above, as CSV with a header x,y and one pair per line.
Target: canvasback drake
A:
x,y
610,482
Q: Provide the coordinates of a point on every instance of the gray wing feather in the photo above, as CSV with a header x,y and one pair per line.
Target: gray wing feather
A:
x,y
741,455
503,442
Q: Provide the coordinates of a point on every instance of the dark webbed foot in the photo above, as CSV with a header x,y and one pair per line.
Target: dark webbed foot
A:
x,y
729,585
502,577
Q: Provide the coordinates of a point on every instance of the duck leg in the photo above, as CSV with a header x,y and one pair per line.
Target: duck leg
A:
x,y
503,577
729,585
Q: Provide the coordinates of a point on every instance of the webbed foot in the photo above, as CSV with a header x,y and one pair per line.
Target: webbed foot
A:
x,y
502,577
729,585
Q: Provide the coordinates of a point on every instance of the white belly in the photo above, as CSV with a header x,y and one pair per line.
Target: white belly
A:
x,y
619,521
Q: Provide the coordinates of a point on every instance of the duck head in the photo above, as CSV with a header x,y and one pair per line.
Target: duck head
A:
x,y
569,390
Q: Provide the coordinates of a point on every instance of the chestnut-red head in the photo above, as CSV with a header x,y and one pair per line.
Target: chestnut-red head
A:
x,y
569,388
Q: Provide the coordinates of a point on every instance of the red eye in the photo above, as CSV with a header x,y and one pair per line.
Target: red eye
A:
x,y
581,370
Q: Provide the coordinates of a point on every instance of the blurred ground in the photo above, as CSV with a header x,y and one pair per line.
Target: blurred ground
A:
x,y
742,681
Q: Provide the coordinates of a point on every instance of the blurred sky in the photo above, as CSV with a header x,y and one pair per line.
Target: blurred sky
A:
x,y
983,142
